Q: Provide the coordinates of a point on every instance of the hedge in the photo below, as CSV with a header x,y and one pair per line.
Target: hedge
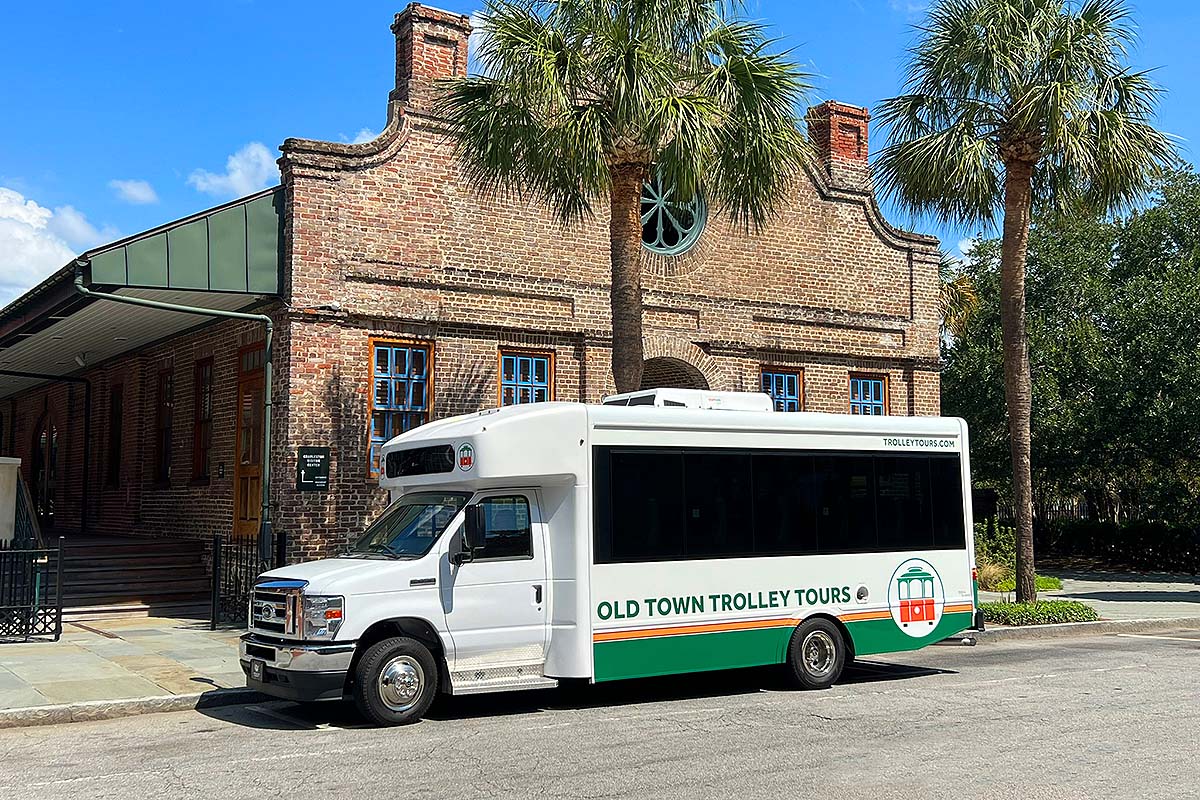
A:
x,y
1150,546
1041,612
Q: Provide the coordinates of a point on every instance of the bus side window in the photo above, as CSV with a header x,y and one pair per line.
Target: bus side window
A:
x,y
902,502
946,480
719,517
846,515
785,504
647,506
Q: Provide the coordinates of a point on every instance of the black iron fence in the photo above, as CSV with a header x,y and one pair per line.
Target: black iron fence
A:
x,y
235,565
31,581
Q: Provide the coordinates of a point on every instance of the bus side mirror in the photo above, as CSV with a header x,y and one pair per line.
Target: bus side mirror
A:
x,y
472,534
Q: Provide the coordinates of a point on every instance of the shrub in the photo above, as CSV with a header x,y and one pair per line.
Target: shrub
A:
x,y
1041,612
1043,583
998,546
993,575
1151,546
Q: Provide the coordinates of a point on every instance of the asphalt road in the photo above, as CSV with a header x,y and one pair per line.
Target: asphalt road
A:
x,y
1109,716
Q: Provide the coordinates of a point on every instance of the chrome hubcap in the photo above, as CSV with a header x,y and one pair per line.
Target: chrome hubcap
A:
x,y
819,652
400,683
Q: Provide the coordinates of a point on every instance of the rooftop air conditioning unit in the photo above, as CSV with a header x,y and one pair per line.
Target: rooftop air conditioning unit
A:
x,y
693,398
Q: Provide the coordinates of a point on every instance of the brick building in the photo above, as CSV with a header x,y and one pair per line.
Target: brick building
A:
x,y
398,295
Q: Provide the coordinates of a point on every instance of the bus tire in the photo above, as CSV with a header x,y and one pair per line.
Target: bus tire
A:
x,y
816,654
395,681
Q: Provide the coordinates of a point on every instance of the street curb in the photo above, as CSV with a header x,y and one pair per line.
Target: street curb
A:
x,y
112,709
1070,629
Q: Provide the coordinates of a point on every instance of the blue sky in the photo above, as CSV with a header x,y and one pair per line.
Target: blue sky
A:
x,y
120,116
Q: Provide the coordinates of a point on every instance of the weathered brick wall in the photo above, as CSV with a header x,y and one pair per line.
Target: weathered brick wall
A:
x,y
137,504
386,239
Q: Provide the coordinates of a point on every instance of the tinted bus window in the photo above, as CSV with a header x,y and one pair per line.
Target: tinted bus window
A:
x,y
785,504
946,481
902,503
846,514
647,505
670,504
719,519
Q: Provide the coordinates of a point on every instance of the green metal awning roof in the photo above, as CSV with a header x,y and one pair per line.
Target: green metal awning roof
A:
x,y
231,248
228,258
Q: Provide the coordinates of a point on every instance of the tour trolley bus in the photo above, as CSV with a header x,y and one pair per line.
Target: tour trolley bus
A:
x,y
552,541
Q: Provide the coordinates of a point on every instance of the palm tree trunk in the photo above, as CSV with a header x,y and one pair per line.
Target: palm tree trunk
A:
x,y
625,244
1018,393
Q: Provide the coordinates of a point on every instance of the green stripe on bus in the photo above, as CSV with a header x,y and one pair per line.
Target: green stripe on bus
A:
x,y
697,652
874,636
700,652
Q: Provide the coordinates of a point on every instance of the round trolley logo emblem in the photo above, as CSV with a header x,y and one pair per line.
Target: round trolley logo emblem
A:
x,y
466,457
916,598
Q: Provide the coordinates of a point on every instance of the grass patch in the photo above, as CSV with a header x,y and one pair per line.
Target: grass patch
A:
x,y
1041,612
1045,583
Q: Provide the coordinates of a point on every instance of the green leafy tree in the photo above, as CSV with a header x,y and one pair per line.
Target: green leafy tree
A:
x,y
1011,105
580,101
1114,333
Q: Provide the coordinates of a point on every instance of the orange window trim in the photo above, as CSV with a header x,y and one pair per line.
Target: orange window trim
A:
x,y
786,370
388,341
887,389
520,351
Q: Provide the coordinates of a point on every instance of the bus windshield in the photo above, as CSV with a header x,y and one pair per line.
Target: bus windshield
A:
x,y
410,526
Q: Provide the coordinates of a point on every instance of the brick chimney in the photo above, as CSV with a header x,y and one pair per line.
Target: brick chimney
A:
x,y
839,134
431,45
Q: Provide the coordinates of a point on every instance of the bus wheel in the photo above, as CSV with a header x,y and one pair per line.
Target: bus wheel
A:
x,y
816,654
396,681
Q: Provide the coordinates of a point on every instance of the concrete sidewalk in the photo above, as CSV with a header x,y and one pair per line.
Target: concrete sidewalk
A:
x,y
1122,596
112,660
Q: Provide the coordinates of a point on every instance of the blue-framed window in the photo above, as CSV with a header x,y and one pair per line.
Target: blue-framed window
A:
x,y
868,394
524,378
400,397
785,387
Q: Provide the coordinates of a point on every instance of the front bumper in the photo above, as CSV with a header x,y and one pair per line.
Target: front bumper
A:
x,y
294,671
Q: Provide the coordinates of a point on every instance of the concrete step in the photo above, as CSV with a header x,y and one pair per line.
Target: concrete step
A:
x,y
181,610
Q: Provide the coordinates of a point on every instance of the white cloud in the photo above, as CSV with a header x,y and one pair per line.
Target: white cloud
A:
x,y
246,171
363,135
137,192
35,240
909,8
965,246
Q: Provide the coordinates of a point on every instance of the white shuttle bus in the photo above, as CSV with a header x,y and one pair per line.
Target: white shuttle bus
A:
x,y
554,541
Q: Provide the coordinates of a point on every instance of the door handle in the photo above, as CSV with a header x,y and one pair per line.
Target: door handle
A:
x,y
537,594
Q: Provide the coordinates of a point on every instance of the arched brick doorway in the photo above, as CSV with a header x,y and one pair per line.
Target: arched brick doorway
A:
x,y
674,373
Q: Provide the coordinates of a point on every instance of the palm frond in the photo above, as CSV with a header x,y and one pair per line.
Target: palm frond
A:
x,y
1044,80
574,87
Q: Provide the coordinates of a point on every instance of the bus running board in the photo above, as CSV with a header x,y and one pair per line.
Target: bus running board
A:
x,y
497,679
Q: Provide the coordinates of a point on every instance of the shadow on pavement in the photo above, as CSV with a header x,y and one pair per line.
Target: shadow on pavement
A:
x,y
1134,596
573,695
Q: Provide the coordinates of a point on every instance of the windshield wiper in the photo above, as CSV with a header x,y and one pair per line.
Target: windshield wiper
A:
x,y
386,549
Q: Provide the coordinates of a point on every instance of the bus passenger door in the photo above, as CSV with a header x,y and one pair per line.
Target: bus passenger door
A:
x,y
497,605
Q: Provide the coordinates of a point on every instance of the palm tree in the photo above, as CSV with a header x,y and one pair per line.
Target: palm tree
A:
x,y
579,102
1008,105
957,298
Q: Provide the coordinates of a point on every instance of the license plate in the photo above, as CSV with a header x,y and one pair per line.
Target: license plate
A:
x,y
256,669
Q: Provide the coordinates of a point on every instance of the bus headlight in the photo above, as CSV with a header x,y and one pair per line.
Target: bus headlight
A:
x,y
322,615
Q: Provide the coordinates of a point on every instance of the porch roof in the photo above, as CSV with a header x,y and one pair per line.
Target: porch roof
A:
x,y
225,258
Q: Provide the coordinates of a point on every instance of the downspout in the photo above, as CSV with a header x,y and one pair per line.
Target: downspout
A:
x,y
264,529
87,430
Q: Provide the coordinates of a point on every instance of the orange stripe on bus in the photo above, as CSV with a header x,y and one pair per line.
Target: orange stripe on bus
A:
x,y
858,616
713,627
954,609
